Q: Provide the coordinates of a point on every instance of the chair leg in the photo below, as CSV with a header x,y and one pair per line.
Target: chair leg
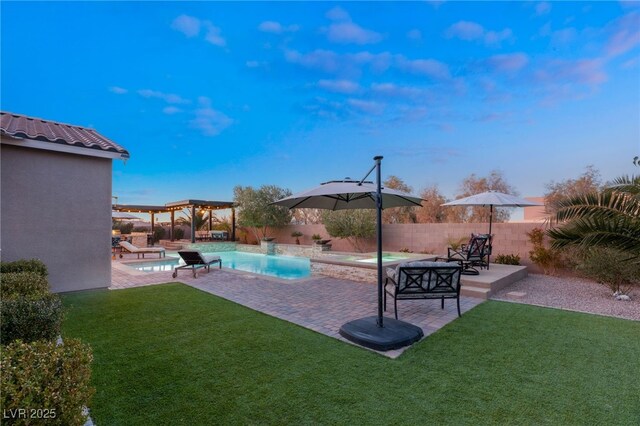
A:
x,y
458,300
395,307
442,303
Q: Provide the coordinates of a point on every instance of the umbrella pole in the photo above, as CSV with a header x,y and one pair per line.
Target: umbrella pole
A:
x,y
490,239
379,235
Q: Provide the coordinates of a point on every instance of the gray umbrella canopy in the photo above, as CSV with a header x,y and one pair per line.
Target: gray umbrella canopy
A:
x,y
492,198
347,194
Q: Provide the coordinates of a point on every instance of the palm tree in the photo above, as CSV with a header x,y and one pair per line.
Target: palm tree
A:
x,y
201,220
605,219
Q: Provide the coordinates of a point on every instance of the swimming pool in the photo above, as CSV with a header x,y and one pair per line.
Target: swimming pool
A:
x,y
287,267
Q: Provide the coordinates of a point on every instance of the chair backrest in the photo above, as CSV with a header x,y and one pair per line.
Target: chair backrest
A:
x,y
191,257
130,247
477,247
428,277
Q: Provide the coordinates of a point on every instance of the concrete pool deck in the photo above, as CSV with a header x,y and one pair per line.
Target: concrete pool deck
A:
x,y
319,303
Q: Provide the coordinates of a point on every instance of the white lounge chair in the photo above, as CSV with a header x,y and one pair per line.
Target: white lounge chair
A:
x,y
141,250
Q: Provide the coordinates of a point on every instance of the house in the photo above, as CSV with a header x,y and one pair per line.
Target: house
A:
x,y
55,200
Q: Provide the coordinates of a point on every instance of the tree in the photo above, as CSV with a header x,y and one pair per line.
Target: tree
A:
x,y
588,182
473,184
202,218
607,219
405,214
432,210
255,210
307,216
352,225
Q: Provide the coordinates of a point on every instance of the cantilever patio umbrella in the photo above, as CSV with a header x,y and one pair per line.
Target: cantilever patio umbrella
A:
x,y
373,332
492,198
125,216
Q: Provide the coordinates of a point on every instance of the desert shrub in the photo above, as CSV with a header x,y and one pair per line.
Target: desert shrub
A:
x,y
178,233
123,227
44,375
24,265
140,229
30,319
548,259
158,233
30,285
316,237
405,250
507,259
607,267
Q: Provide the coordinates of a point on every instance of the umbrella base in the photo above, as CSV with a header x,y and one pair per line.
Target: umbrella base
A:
x,y
394,335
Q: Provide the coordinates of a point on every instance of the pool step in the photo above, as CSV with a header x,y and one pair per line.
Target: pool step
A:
x,y
172,245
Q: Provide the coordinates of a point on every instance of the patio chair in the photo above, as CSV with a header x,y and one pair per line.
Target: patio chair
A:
x,y
423,280
141,250
195,260
470,255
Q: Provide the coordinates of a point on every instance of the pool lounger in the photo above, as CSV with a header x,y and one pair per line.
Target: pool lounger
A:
x,y
141,250
195,260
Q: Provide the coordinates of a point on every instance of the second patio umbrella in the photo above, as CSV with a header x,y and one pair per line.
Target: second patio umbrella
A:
x,y
491,199
373,332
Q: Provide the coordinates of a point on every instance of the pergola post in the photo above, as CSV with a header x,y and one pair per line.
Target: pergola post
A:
x,y
173,223
153,221
210,220
193,223
233,224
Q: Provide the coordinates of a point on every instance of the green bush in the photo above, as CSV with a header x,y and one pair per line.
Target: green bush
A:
x,y
30,285
24,265
405,250
178,233
123,227
507,259
43,375
607,267
158,233
140,229
30,319
548,259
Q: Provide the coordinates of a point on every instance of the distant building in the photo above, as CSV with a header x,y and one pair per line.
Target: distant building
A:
x,y
535,213
55,203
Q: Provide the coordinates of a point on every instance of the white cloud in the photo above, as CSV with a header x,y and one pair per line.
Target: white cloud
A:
x,y
209,121
187,25
507,63
338,14
170,98
334,63
414,34
170,110
339,86
470,31
427,67
349,32
213,35
543,8
118,90
394,90
275,27
367,107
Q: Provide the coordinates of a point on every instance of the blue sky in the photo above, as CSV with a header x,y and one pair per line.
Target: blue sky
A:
x,y
206,96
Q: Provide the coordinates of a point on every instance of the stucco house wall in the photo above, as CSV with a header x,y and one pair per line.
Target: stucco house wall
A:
x,y
56,207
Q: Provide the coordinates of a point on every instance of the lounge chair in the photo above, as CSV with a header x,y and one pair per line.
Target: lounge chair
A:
x,y
471,255
423,280
141,250
195,260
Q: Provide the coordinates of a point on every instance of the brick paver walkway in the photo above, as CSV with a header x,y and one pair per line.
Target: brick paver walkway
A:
x,y
320,303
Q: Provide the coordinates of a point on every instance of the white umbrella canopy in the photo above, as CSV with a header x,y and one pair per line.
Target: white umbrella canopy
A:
x,y
347,194
124,216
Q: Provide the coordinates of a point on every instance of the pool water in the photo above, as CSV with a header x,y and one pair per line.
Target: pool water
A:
x,y
385,258
287,267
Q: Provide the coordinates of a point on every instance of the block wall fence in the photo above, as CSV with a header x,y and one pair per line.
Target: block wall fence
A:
x,y
509,238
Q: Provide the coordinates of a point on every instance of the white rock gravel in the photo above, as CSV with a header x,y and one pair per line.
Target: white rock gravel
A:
x,y
574,294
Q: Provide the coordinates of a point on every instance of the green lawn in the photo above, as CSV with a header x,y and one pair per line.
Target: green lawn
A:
x,y
171,354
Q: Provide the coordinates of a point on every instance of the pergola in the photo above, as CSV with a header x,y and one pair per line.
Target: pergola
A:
x,y
172,207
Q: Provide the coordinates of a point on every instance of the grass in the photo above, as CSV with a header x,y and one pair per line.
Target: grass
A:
x,y
171,354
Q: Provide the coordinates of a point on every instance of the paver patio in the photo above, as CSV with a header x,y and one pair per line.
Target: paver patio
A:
x,y
318,303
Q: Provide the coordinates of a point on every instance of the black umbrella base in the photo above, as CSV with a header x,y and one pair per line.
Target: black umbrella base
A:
x,y
394,335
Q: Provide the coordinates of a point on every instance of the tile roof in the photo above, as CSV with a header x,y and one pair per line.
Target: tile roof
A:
x,y
21,126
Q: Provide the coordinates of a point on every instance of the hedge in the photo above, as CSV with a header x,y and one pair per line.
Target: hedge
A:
x,y
46,379
30,319
24,265
30,285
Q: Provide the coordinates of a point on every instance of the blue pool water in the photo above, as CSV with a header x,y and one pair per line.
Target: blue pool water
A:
x,y
287,267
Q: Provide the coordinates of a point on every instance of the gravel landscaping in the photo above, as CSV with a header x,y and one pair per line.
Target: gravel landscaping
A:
x,y
571,293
